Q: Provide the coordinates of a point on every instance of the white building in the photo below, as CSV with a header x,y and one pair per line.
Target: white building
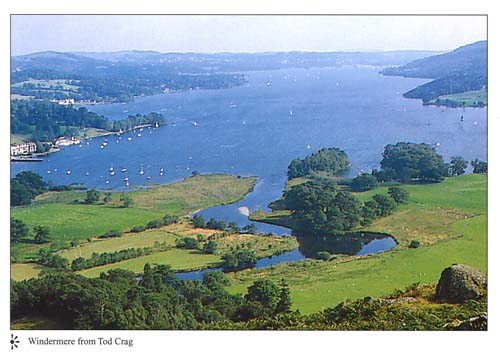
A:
x,y
23,149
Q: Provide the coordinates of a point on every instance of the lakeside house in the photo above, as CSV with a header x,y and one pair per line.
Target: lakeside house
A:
x,y
68,101
23,149
65,141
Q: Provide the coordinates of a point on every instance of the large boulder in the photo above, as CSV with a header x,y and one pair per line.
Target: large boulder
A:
x,y
459,283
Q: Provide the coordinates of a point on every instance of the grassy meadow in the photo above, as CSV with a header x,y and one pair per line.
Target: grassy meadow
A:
x,y
467,99
84,222
449,219
178,259
69,219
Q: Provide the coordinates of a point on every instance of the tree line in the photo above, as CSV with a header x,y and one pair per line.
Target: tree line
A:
x,y
45,121
98,259
320,207
117,300
199,221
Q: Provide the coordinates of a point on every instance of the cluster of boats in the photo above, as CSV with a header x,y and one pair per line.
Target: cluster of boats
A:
x,y
112,172
124,170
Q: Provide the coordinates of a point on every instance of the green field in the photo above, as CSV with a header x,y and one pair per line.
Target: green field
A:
x,y
450,220
139,240
68,219
178,259
46,84
19,138
91,132
263,246
20,272
467,99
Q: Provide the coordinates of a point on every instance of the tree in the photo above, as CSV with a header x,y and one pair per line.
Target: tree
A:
x,y
126,200
399,195
107,197
411,161
18,230
329,160
210,247
32,181
187,242
26,186
92,196
370,211
457,166
198,221
41,234
264,292
385,203
233,227
480,167
215,280
284,304
414,244
363,182
250,228
317,207
19,194
216,224
239,260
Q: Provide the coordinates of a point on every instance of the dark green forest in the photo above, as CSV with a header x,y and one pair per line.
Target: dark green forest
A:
x,y
158,301
328,160
44,121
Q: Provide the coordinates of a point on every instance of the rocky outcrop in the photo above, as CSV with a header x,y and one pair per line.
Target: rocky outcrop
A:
x,y
459,283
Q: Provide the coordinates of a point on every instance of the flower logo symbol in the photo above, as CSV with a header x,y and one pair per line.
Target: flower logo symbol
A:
x,y
13,341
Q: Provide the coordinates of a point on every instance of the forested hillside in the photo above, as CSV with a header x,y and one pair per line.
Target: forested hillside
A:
x,y
461,70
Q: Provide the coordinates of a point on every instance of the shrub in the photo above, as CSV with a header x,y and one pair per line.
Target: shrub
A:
x,y
364,182
198,221
153,224
399,195
112,233
169,219
210,247
187,242
324,255
139,228
414,244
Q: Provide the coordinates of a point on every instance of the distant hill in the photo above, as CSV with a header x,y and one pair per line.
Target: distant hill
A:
x,y
461,70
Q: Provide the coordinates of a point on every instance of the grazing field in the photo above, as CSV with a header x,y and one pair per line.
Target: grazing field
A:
x,y
178,259
68,219
138,240
67,222
46,84
448,218
91,132
467,99
194,193
19,138
20,272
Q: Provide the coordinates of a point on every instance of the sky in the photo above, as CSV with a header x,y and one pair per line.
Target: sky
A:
x,y
205,33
